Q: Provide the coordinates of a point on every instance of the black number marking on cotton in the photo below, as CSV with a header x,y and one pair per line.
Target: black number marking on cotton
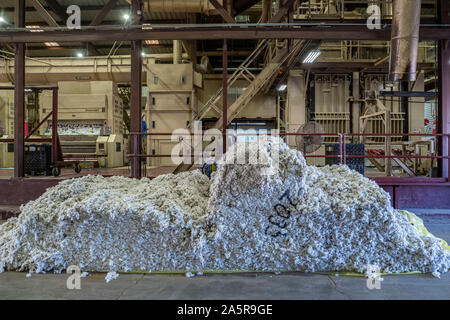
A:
x,y
279,222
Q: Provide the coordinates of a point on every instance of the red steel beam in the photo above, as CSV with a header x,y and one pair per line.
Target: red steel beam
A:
x,y
19,94
55,126
444,92
230,32
136,94
224,94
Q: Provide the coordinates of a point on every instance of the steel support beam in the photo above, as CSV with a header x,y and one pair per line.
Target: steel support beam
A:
x,y
444,91
62,15
102,14
222,11
44,13
282,11
54,125
19,94
230,32
136,95
224,94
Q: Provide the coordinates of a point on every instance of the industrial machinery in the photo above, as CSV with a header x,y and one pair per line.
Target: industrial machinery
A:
x,y
171,105
6,128
90,121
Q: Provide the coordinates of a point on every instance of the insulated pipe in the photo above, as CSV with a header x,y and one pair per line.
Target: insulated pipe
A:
x,y
186,6
404,40
177,51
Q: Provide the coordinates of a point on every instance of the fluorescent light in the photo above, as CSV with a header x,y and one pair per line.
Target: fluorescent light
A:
x,y
34,28
282,87
51,44
2,19
80,55
151,42
143,54
312,56
126,17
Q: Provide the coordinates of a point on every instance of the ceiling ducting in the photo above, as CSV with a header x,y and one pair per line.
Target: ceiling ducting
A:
x,y
184,6
405,40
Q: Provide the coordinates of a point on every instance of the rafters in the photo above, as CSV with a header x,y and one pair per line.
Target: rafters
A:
x,y
62,15
44,13
223,13
282,11
102,14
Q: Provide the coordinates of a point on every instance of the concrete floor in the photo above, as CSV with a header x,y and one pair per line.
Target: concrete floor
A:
x,y
296,286
15,285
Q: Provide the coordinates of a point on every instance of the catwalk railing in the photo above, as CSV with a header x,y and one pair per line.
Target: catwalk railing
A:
x,y
342,144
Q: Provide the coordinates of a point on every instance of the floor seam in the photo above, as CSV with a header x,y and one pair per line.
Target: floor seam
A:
x,y
336,288
133,285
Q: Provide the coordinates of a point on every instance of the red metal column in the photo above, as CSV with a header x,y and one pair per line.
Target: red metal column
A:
x,y
224,94
54,126
444,90
19,93
136,94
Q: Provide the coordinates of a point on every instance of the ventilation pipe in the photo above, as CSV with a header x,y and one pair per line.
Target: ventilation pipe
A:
x,y
177,52
404,40
185,6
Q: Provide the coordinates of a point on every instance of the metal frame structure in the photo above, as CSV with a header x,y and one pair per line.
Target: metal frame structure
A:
x,y
135,33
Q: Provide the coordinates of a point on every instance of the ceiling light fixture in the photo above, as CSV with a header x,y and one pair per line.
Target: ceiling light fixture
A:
x,y
151,42
34,28
80,55
282,87
51,44
312,56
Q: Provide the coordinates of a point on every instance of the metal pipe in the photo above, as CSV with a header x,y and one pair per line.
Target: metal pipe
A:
x,y
405,40
177,52
185,6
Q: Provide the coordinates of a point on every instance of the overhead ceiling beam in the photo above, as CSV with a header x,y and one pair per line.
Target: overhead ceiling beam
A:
x,y
83,8
44,13
57,9
242,5
223,13
62,15
282,11
102,14
332,32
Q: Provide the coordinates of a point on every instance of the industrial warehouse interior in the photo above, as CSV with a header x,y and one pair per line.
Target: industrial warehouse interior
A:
x,y
224,150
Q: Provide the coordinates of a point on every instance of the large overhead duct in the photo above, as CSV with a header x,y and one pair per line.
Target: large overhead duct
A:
x,y
177,52
405,39
187,6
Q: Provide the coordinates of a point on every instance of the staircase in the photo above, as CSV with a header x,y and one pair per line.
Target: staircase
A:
x,y
257,83
241,72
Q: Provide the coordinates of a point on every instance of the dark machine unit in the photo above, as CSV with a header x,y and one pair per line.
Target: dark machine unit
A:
x,y
356,164
38,159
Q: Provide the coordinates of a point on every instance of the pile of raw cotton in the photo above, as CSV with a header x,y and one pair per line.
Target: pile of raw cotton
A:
x,y
277,215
